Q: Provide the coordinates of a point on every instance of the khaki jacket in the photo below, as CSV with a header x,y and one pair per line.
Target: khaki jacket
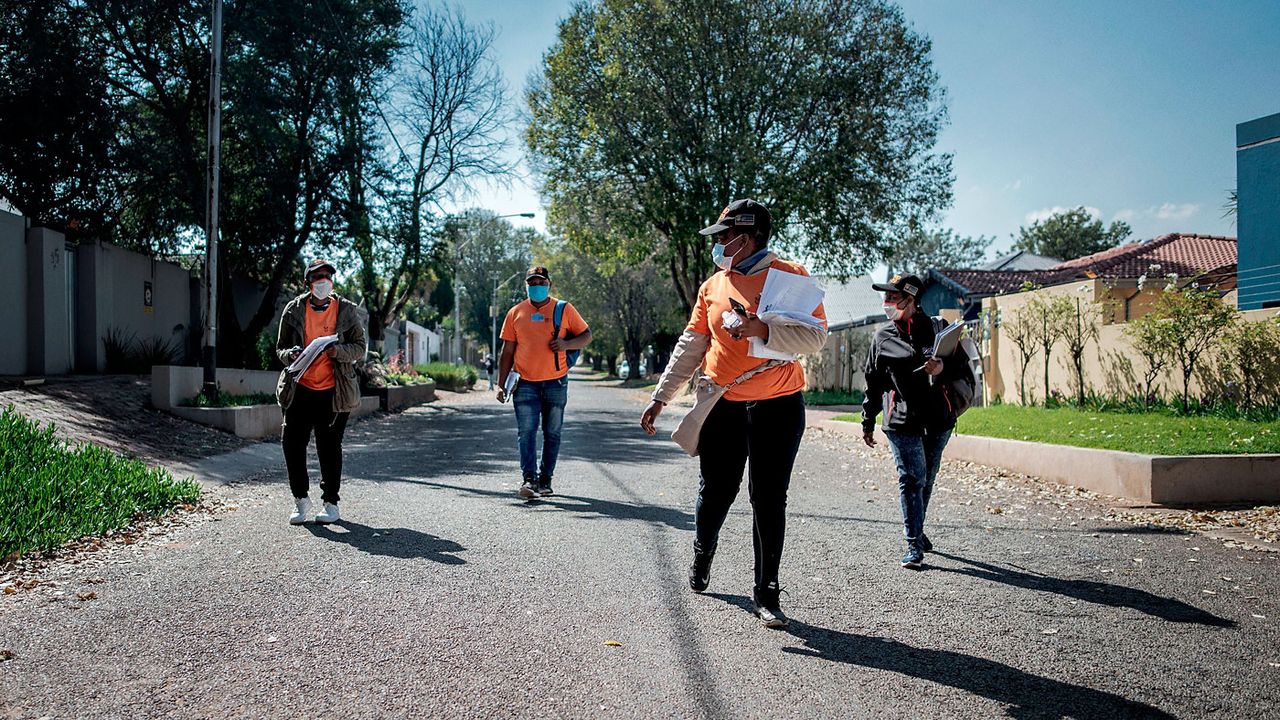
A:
x,y
349,349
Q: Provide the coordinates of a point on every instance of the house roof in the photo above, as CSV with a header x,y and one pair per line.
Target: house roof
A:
x,y
850,303
1187,255
989,282
1022,260
1184,254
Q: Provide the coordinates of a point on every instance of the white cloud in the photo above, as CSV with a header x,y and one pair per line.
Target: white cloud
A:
x,y
1046,213
1126,215
1015,186
1174,211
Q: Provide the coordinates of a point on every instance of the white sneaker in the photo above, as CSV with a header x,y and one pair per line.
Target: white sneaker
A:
x,y
302,507
330,514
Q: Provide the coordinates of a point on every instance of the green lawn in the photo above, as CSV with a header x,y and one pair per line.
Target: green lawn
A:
x,y
833,397
1154,433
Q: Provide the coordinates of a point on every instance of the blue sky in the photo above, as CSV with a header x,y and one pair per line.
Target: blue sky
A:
x,y
1128,108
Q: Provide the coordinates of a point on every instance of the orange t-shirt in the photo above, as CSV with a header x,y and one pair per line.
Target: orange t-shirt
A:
x,y
727,358
530,328
319,323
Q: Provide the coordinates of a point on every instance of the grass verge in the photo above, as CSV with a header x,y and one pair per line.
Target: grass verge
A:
x,y
51,493
1153,433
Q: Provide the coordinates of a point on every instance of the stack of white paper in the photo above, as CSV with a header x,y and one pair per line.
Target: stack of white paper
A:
x,y
308,356
786,295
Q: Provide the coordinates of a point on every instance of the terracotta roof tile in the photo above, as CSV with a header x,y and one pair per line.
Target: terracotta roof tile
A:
x,y
1185,255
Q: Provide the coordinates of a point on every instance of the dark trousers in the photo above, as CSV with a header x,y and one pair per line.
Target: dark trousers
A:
x,y
312,410
766,434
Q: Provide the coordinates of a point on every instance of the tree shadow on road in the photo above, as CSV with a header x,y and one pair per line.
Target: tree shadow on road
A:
x,y
1098,593
391,542
1028,695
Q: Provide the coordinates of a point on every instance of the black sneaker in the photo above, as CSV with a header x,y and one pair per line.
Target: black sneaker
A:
x,y
914,557
700,571
529,489
767,609
925,545
544,486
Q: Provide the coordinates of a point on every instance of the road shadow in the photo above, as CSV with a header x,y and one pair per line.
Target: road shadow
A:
x,y
391,542
1091,591
586,508
1027,695
1143,530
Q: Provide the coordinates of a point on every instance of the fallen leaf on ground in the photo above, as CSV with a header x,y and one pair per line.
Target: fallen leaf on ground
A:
x,y
1208,592
1049,631
613,643
271,638
90,595
7,655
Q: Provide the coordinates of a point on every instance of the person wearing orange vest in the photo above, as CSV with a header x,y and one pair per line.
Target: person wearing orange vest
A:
x,y
320,398
532,347
758,421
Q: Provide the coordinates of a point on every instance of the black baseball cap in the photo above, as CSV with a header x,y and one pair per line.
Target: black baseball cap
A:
x,y
318,264
537,271
909,284
745,213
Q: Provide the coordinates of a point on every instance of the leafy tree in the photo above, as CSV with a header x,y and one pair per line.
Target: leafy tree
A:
x,y
57,122
492,251
923,249
654,115
1071,234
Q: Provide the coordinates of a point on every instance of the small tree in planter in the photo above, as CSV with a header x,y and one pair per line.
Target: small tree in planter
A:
x,y
1046,330
1077,326
1019,327
1192,319
1147,337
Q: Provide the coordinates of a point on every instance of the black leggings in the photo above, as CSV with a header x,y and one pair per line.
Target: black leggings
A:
x,y
767,433
313,410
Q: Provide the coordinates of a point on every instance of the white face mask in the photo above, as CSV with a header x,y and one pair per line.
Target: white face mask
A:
x,y
720,256
892,311
322,289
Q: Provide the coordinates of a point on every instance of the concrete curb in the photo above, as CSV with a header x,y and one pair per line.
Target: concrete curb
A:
x,y
1151,479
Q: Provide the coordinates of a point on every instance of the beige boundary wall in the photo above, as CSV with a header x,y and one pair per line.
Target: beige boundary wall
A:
x,y
1111,366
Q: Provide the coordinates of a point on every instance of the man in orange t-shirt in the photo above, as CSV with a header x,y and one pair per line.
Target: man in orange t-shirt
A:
x,y
760,419
539,354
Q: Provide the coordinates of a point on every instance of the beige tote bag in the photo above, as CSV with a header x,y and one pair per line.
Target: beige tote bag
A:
x,y
706,394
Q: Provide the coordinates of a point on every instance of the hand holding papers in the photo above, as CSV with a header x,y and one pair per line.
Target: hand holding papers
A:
x,y
945,342
308,356
786,296
513,378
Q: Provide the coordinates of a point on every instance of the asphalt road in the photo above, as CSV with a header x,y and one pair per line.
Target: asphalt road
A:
x,y
444,595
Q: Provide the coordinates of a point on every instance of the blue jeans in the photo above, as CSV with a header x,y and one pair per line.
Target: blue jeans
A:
x,y
918,458
540,402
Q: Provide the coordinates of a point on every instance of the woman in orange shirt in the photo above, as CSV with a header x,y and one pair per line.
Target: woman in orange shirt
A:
x,y
759,420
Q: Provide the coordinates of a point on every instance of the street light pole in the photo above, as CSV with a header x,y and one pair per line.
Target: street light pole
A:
x,y
457,307
493,312
210,342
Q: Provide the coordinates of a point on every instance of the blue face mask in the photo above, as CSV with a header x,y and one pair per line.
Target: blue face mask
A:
x,y
718,256
538,293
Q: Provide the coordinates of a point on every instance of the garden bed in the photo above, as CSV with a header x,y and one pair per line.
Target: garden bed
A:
x,y
54,492
400,397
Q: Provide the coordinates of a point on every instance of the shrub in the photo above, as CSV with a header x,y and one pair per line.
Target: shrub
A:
x,y
126,354
52,493
449,376
226,399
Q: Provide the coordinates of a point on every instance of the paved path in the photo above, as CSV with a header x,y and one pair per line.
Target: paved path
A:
x,y
443,595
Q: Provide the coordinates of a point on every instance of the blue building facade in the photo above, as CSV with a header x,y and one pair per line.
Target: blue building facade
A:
x,y
1258,212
